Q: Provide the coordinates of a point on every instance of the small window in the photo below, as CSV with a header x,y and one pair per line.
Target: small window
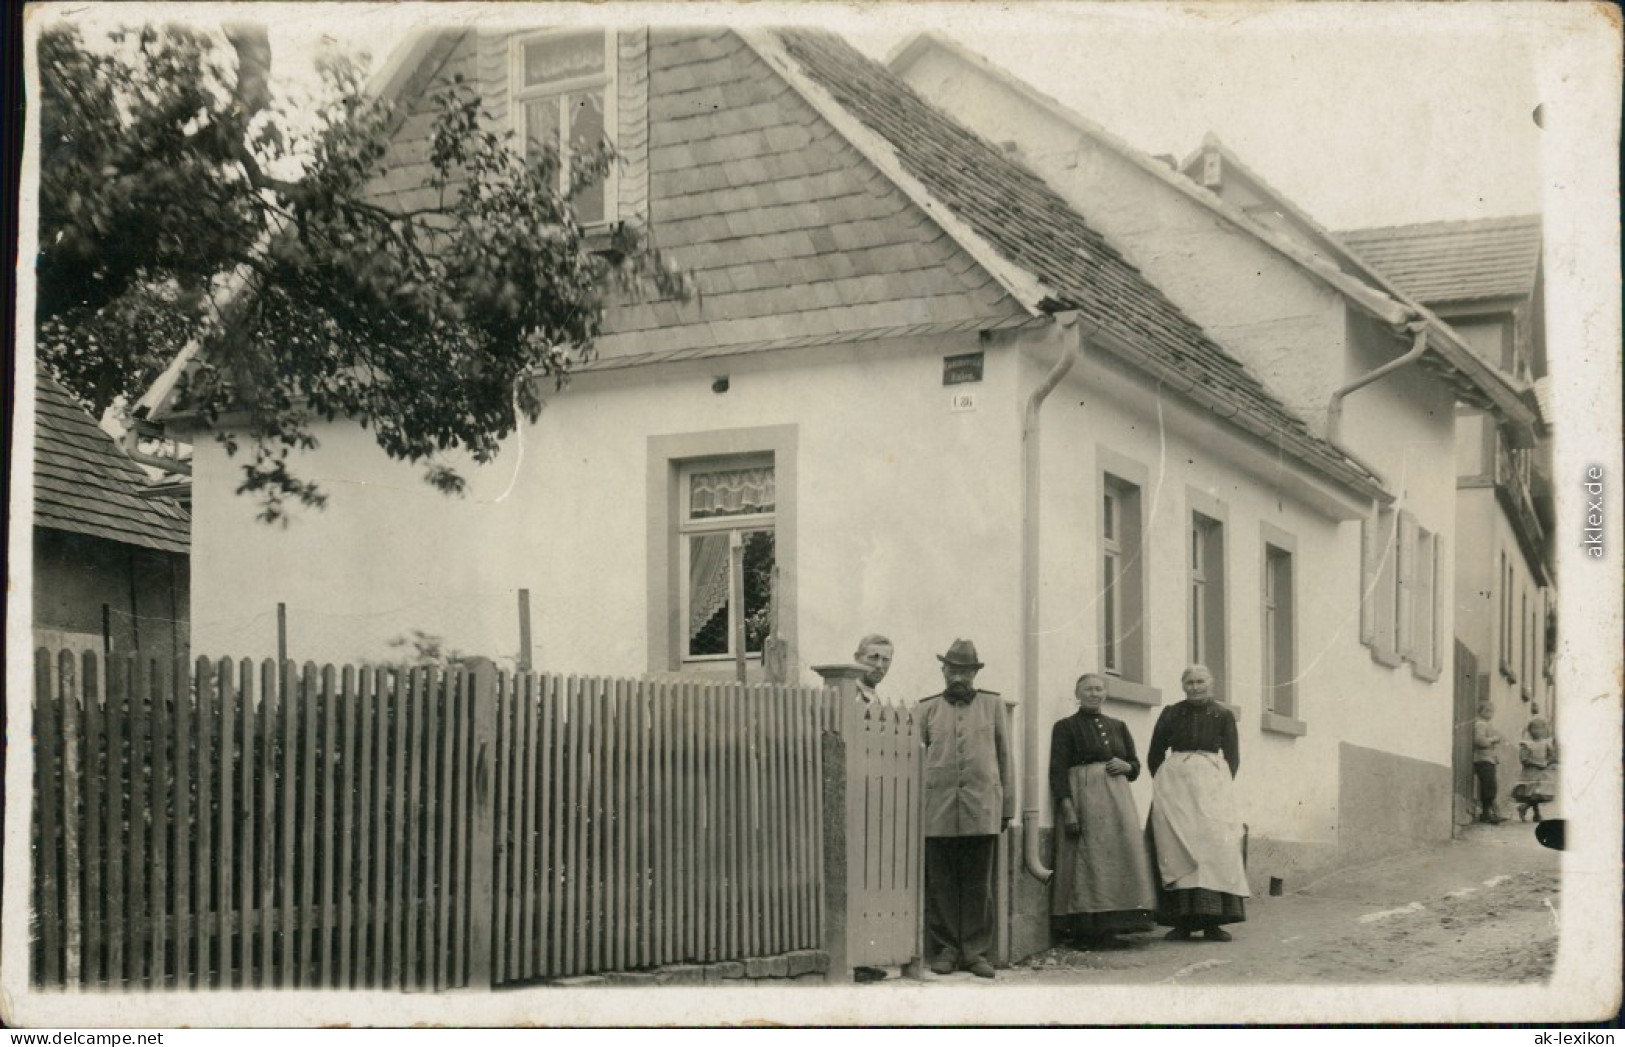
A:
x,y
563,89
726,539
1280,668
1207,625
1122,643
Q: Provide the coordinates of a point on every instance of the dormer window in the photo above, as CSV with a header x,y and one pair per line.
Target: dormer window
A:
x,y
563,95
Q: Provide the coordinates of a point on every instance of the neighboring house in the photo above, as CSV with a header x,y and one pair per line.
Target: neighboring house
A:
x,y
110,555
1297,305
1485,278
1312,311
882,292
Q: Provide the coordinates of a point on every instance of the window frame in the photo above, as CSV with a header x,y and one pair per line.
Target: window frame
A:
x,y
667,454
1277,546
688,527
1127,681
1212,516
1505,655
519,94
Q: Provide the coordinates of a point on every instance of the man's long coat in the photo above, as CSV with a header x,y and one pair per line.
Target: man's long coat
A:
x,y
969,786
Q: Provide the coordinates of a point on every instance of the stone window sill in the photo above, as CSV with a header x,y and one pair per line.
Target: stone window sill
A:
x,y
1120,690
1279,724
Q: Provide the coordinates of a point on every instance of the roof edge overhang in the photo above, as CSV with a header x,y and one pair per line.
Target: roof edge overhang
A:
x,y
1386,301
1037,298
1369,299
1314,455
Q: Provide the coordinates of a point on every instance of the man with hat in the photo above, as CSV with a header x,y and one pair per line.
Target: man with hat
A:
x,y
969,799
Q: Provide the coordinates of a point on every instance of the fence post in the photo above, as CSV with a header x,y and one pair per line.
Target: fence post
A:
x,y
843,680
482,751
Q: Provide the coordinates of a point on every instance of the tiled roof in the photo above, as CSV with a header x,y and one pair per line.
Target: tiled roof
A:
x,y
1030,225
783,227
83,483
1439,262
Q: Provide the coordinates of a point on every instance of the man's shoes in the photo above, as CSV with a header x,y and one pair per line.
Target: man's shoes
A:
x,y
1217,934
1179,934
981,968
868,974
942,965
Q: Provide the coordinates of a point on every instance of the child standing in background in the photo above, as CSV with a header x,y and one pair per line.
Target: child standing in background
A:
x,y
1537,757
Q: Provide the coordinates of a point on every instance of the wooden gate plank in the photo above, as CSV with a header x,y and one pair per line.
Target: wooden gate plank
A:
x,y
159,808
95,766
349,762
382,707
287,837
247,823
558,829
412,806
48,813
525,902
266,822
443,729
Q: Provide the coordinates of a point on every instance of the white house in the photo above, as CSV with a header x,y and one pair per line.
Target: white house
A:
x,y
1486,279
936,397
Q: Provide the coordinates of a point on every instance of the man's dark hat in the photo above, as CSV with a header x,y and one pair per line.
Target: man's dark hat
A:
x,y
962,655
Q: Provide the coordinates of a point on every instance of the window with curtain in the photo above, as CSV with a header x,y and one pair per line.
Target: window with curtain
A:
x,y
727,548
563,87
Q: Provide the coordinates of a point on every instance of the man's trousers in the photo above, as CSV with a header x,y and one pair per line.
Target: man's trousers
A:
x,y
959,898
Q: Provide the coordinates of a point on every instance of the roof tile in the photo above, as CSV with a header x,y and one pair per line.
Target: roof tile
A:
x,y
1028,223
1439,262
85,484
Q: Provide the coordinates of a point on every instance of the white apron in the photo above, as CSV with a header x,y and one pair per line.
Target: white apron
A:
x,y
1195,824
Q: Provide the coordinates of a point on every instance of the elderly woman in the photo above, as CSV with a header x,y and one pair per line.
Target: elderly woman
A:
x,y
1102,884
1194,829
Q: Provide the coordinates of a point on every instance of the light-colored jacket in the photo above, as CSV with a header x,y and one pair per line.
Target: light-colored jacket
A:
x,y
969,785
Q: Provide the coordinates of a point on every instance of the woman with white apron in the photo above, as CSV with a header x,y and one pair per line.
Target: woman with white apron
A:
x,y
1194,832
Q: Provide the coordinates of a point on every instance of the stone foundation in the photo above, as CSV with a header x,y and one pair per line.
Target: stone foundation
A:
x,y
805,965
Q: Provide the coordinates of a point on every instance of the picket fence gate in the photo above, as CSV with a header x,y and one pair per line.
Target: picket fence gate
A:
x,y
224,825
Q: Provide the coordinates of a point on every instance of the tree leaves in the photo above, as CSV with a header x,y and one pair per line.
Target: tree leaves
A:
x,y
180,204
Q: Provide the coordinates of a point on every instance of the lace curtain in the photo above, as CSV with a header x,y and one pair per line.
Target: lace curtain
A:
x,y
563,57
731,492
715,494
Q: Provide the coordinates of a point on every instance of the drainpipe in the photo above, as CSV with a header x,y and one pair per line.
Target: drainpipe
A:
x,y
1070,347
1334,410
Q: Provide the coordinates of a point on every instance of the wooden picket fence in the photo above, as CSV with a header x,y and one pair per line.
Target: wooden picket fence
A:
x,y
644,823
227,825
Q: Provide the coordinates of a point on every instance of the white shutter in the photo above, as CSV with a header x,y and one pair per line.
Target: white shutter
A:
x,y
1405,593
1368,581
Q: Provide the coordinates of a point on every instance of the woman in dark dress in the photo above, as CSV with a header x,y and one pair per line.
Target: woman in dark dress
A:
x,y
1102,884
1195,831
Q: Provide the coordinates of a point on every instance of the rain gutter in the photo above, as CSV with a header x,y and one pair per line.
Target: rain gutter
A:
x,y
1071,346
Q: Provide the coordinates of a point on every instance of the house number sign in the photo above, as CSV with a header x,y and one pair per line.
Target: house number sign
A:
x,y
957,370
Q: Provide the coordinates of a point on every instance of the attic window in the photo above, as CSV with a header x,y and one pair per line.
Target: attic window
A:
x,y
562,86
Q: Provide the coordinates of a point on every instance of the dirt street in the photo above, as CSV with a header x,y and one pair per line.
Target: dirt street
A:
x,y
1482,908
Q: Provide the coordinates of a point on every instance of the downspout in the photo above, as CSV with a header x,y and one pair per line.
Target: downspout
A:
x,y
1070,347
1334,409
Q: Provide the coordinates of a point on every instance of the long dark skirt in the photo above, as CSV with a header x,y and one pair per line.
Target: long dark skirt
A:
x,y
1194,908
1103,881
